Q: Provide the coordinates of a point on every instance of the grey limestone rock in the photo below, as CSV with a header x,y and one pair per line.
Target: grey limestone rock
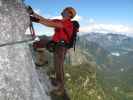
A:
x,y
18,77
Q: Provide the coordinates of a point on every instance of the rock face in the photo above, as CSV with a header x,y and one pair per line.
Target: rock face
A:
x,y
18,77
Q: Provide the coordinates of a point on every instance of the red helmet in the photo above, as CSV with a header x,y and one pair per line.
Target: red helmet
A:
x,y
71,10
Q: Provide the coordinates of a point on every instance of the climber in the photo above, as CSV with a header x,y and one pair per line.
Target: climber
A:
x,y
58,43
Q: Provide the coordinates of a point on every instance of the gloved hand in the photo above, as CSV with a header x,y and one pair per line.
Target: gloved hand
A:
x,y
29,10
31,13
35,17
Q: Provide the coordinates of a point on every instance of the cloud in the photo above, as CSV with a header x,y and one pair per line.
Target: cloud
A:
x,y
41,31
38,11
78,18
27,31
106,28
56,17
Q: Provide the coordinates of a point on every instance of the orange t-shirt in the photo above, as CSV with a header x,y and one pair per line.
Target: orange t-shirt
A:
x,y
64,33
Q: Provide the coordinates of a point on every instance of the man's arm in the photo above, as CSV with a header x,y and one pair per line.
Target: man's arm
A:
x,y
47,22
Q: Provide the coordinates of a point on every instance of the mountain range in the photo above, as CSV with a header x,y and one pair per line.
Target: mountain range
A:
x,y
115,51
113,54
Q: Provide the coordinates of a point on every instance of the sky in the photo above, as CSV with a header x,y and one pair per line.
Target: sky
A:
x,y
103,16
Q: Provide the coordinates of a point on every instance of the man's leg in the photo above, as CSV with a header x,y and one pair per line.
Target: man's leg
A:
x,y
42,43
59,56
39,46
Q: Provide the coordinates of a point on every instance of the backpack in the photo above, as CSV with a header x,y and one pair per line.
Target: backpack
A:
x,y
74,35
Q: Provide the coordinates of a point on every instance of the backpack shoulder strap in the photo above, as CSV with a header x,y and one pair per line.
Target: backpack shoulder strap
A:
x,y
74,34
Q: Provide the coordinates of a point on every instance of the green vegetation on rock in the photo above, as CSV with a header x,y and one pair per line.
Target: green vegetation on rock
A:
x,y
81,81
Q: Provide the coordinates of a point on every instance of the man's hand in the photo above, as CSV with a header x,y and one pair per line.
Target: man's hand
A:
x,y
29,10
